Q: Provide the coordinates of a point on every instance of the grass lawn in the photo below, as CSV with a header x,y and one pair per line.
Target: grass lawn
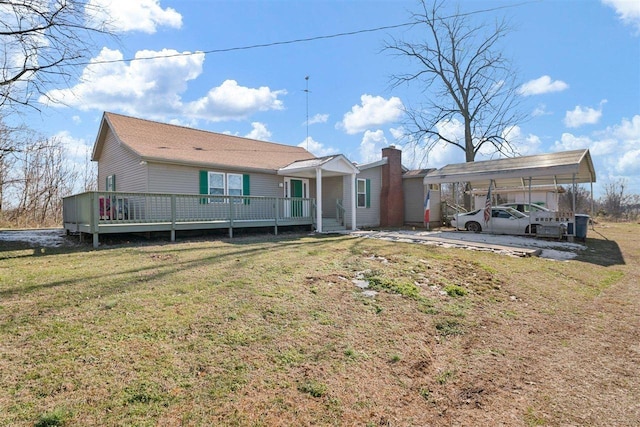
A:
x,y
264,331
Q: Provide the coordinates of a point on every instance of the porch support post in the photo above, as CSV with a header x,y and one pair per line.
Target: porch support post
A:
x,y
319,200
353,202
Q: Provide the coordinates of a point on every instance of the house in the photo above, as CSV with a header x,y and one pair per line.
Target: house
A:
x,y
151,176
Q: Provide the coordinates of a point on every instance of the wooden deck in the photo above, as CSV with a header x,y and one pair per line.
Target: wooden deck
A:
x,y
98,213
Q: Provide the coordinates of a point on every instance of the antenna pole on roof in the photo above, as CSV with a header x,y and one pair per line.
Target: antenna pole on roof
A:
x,y
307,92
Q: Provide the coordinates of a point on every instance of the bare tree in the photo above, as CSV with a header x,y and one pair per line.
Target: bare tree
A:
x,y
614,200
10,146
41,41
462,65
43,178
580,195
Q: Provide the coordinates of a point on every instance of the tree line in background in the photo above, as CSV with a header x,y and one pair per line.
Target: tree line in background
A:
x,y
614,204
35,174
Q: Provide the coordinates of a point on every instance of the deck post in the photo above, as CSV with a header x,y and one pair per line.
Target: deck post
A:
x,y
173,217
230,201
277,212
319,200
95,218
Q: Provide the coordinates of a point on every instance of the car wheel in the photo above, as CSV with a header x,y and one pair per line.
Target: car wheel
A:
x,y
473,226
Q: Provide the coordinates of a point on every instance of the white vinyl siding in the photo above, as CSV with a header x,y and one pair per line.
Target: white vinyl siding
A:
x,y
115,159
364,217
185,180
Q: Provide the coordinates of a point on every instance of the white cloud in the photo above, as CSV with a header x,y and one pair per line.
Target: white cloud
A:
x,y
524,145
627,10
317,148
628,130
128,15
583,116
597,147
398,133
540,110
628,164
259,131
371,146
107,85
542,85
614,151
374,111
231,101
153,88
318,118
77,149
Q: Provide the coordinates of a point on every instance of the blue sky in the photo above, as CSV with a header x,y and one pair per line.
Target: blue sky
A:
x,y
578,63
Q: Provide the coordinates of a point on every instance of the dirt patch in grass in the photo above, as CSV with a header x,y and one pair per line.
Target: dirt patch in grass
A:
x,y
273,331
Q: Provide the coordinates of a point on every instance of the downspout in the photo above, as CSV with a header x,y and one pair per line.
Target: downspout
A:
x,y
319,200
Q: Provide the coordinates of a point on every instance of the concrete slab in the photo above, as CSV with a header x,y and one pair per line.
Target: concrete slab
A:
x,y
447,242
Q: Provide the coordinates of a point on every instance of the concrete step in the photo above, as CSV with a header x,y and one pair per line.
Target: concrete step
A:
x,y
331,225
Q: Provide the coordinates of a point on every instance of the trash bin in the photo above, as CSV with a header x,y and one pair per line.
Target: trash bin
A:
x,y
582,223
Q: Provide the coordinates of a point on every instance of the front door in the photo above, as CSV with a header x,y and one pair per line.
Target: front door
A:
x,y
298,191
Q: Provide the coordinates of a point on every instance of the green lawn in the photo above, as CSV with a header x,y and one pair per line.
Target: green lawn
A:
x,y
257,331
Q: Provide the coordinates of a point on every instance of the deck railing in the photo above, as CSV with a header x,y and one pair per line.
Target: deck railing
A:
x,y
99,212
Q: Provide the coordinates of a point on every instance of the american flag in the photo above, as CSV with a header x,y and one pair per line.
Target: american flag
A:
x,y
487,205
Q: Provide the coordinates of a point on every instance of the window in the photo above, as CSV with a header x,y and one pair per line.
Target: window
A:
x,y
363,193
216,184
234,184
224,184
111,183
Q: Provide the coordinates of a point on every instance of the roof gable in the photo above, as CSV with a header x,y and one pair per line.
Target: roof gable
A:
x,y
334,165
165,143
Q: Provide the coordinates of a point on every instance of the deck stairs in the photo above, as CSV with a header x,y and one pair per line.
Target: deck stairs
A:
x,y
331,225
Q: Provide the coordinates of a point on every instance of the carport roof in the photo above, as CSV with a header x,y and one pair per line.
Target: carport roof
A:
x,y
564,167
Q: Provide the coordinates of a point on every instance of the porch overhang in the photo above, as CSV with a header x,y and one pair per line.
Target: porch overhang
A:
x,y
329,166
336,165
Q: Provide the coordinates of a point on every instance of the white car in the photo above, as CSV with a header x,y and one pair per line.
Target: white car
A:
x,y
503,220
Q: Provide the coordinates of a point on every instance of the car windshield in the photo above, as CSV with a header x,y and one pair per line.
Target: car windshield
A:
x,y
535,208
515,213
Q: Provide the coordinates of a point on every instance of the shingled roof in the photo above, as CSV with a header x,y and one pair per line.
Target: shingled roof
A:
x,y
161,142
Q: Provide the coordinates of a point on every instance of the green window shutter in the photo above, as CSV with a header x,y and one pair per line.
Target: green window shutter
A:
x,y
246,188
368,192
106,183
113,182
204,185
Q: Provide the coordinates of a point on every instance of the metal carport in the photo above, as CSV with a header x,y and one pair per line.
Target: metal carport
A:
x,y
561,168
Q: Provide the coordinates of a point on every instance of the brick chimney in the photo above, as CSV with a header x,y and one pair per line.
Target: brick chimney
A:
x,y
391,195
